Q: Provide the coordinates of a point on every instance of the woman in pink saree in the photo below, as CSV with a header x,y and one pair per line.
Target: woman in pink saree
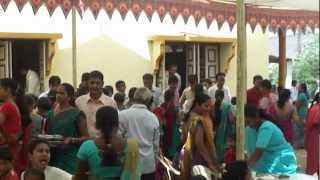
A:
x,y
312,134
284,114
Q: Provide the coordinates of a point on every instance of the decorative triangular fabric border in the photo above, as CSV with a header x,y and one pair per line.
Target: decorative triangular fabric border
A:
x,y
267,18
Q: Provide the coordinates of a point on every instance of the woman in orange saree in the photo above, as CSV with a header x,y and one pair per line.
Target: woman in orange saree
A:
x,y
199,147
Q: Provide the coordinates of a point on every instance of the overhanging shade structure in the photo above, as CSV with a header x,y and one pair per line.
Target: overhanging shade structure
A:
x,y
257,11
311,5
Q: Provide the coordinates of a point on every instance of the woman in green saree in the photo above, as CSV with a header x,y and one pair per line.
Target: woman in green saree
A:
x,y
69,122
108,156
223,124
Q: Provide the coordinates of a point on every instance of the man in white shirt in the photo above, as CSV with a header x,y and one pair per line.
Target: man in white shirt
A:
x,y
173,72
156,92
188,94
32,82
92,101
207,84
294,91
173,82
54,82
139,123
220,77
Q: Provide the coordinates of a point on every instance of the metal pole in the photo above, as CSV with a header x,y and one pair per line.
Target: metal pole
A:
x,y
74,46
241,77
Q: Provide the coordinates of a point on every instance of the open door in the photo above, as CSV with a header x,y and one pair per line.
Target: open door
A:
x,y
194,65
211,61
192,60
42,62
5,59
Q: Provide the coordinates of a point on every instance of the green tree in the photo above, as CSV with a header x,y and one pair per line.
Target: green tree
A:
x,y
306,67
273,69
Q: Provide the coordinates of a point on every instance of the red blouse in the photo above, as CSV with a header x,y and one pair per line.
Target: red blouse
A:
x,y
12,175
12,123
11,130
254,96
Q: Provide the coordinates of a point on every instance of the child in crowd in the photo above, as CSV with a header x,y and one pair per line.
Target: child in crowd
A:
x,y
108,91
234,101
120,99
6,165
121,86
131,94
207,83
52,98
36,119
234,105
45,110
34,174
39,154
230,154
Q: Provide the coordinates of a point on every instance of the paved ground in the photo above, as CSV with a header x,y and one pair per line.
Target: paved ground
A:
x,y
301,156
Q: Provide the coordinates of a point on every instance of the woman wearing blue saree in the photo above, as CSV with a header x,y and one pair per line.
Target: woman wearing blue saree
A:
x,y
302,109
269,152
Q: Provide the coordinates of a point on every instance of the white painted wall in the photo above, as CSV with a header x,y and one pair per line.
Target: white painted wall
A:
x,y
119,48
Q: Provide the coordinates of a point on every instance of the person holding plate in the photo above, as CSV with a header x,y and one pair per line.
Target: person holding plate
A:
x,y
69,122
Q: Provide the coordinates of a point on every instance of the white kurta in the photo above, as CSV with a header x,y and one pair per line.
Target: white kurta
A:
x,y
32,83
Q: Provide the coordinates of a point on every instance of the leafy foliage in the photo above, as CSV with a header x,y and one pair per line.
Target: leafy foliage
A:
x,y
306,67
273,70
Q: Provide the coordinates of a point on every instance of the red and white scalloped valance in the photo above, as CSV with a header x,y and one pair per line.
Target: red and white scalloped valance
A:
x,y
221,12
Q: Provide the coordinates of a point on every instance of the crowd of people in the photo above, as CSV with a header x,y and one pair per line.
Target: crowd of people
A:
x,y
96,132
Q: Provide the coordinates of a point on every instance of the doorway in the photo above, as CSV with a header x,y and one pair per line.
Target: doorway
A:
x,y
19,54
201,59
176,55
25,56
